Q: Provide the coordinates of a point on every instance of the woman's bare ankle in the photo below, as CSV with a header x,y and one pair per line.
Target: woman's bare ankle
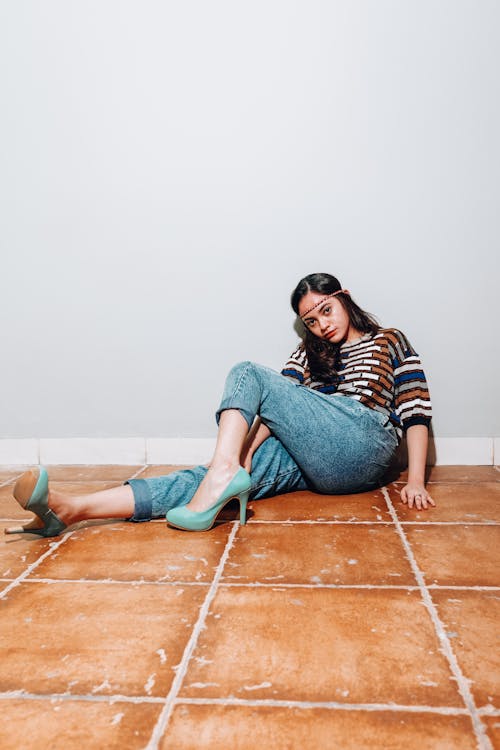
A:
x,y
224,466
67,508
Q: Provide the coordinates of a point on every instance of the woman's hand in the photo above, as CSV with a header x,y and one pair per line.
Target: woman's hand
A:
x,y
415,492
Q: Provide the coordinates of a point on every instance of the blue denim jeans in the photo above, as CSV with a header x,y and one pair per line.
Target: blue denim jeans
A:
x,y
325,443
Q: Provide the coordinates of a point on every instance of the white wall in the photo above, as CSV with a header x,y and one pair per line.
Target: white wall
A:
x,y
169,170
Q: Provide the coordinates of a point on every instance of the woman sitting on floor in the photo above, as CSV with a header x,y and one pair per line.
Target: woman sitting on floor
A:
x,y
329,422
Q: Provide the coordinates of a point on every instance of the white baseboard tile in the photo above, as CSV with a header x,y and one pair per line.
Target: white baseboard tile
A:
x,y
127,451
179,450
139,451
19,451
460,451
496,451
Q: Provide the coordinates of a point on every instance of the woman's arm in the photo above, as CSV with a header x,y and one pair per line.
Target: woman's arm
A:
x,y
417,438
258,433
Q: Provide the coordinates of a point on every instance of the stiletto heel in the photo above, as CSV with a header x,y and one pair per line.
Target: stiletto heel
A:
x,y
243,497
183,518
32,493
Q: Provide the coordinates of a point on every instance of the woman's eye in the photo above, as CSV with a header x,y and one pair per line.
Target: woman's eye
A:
x,y
327,310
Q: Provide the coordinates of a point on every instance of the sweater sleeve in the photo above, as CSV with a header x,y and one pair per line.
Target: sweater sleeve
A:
x,y
411,393
296,366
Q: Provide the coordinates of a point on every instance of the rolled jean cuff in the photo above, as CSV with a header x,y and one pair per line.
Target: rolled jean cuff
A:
x,y
143,510
228,403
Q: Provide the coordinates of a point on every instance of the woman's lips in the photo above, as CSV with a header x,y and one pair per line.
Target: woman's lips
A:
x,y
330,333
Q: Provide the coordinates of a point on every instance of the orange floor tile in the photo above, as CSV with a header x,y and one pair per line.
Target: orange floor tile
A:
x,y
346,622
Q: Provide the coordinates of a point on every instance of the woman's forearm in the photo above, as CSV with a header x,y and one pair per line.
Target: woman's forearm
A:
x,y
417,439
414,492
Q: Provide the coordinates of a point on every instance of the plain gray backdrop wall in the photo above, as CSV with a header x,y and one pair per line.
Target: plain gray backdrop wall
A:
x,y
169,170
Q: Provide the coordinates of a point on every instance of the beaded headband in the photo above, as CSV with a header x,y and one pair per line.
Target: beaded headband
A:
x,y
334,294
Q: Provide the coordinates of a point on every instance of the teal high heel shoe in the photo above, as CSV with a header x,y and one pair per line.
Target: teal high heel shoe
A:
x,y
32,492
239,487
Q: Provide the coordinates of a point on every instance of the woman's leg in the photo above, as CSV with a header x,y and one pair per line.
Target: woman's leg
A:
x,y
234,426
339,444
117,502
233,429
253,390
273,472
327,443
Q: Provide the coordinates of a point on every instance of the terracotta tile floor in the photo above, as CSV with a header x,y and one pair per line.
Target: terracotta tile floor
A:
x,y
343,622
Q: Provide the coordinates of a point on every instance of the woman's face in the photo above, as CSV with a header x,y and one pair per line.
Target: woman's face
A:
x,y
328,319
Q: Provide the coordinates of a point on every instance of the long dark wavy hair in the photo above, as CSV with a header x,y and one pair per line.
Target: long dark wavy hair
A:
x,y
324,357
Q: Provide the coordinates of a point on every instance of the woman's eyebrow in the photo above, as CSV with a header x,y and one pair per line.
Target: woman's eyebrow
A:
x,y
322,306
318,308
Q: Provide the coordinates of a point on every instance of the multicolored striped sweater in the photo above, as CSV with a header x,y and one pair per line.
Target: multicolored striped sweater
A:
x,y
381,370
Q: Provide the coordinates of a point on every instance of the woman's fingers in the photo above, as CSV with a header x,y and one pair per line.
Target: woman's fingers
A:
x,y
417,496
423,500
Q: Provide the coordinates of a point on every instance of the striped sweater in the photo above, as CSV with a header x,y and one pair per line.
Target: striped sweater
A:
x,y
380,370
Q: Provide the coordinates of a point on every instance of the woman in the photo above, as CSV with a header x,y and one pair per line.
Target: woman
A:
x,y
329,422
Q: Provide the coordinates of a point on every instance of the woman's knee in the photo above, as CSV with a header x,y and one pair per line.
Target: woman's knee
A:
x,y
240,368
242,373
248,369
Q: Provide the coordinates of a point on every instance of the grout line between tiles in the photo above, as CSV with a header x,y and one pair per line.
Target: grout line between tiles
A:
x,y
489,711
114,582
450,523
256,584
444,587
288,522
446,648
164,717
233,584
10,519
256,702
5,519
369,586
328,705
88,697
273,703
139,471
277,586
374,523
53,546
9,481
